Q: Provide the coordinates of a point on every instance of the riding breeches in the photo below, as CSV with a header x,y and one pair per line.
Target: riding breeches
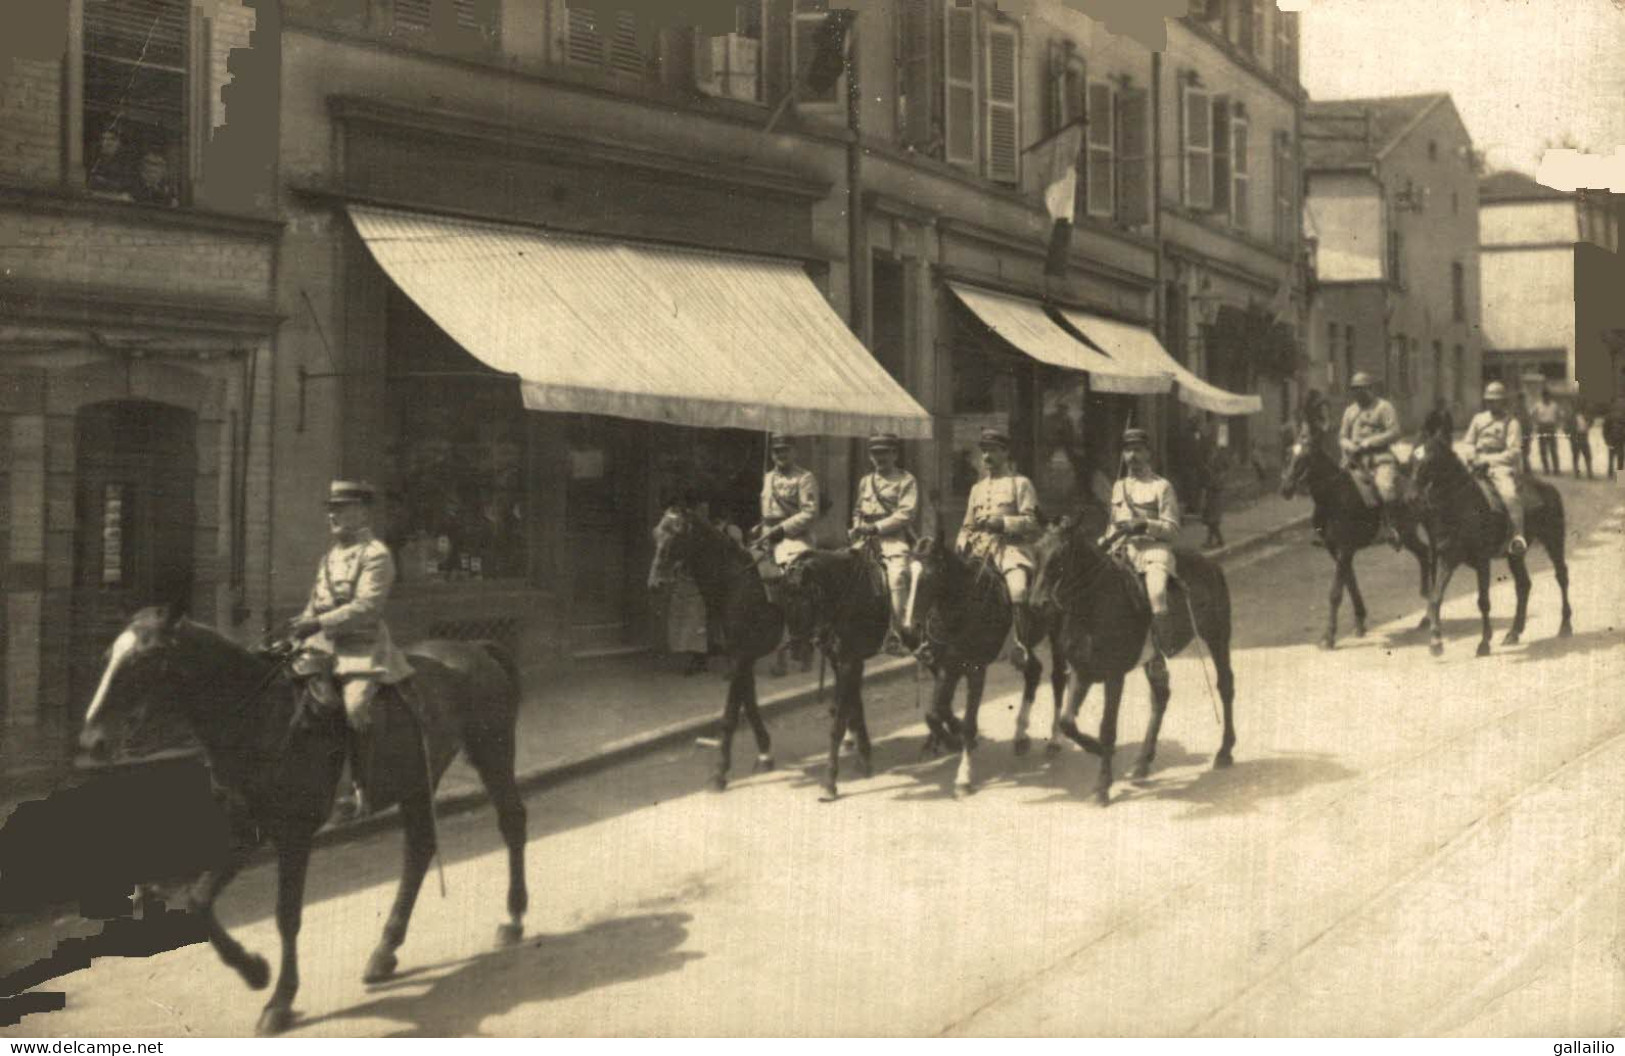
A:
x,y
1156,564
1386,477
358,698
787,550
1505,483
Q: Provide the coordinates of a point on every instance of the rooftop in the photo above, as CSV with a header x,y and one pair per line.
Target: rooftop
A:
x,y
1516,187
1340,133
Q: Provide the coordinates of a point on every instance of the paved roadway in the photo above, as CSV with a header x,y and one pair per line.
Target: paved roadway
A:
x,y
1406,845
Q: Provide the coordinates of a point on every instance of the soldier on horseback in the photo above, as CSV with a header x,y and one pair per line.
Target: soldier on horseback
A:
x,y
1496,437
1001,523
342,630
1370,426
789,507
1145,522
888,500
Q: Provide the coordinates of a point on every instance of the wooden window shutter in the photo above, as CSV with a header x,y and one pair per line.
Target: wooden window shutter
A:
x,y
959,91
624,56
1198,148
1102,151
1240,199
1134,160
776,31
1055,100
916,94
1255,42
1003,104
1221,155
584,41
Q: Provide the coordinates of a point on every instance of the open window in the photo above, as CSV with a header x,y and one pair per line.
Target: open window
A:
x,y
1134,157
1197,144
731,66
1102,150
919,113
807,22
137,85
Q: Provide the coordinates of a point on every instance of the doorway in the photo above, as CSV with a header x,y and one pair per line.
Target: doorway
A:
x,y
134,524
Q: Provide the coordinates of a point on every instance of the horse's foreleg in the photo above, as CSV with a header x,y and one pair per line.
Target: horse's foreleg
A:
x,y
1483,571
857,724
1076,691
1108,738
1553,540
1520,579
1031,675
293,860
1355,598
1441,583
1334,602
1156,673
730,723
753,715
1057,685
940,721
253,968
418,853
840,716
975,684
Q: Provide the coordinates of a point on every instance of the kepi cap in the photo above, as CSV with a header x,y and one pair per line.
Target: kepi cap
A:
x,y
780,441
1361,380
881,441
1136,437
993,438
1495,391
350,492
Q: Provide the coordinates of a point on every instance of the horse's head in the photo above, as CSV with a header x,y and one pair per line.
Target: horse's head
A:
x,y
674,538
1295,474
1433,464
141,671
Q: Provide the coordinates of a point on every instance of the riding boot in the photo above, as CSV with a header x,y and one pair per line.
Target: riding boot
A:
x,y
1161,633
361,776
1022,646
1389,532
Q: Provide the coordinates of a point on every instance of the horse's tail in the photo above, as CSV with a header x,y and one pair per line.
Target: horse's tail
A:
x,y
496,651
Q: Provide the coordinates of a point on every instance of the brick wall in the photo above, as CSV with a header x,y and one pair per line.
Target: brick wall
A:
x,y
47,247
30,119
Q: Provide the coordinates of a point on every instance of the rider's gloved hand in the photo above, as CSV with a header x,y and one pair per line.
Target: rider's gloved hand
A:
x,y
863,531
992,524
774,536
302,629
1139,526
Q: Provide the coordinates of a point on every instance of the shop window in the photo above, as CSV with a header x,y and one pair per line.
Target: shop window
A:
x,y
135,98
458,473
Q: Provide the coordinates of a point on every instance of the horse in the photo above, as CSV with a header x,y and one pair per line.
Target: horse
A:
x,y
1468,530
1046,620
736,601
840,600
1105,632
1346,524
960,609
275,765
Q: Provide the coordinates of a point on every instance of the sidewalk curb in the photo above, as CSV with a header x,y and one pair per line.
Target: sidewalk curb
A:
x,y
677,733
611,754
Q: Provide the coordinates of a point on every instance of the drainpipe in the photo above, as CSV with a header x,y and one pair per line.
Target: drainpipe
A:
x,y
857,262
1159,308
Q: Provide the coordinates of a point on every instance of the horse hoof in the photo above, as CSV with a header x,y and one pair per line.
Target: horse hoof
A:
x,y
1052,748
1422,624
764,763
1103,797
1511,638
510,933
1436,648
257,972
1223,761
963,791
380,966
1141,772
1483,649
1327,642
1566,631
1090,745
829,794
275,1020
719,782
1023,745
1359,629
865,765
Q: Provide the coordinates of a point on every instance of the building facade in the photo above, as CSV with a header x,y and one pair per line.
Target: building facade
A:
x,y
349,281
1535,242
1393,209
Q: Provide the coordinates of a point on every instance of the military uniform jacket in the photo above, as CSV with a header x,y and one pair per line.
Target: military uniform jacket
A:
x,y
889,504
1010,496
1152,498
1496,441
352,587
790,501
1376,426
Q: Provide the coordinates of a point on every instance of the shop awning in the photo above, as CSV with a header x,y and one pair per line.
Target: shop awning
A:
x,y
1139,346
593,326
1024,324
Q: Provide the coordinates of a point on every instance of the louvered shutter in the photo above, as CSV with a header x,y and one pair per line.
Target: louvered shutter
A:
x,y
1198,148
1003,104
584,40
1102,151
1134,163
916,86
1240,198
624,54
1221,155
959,95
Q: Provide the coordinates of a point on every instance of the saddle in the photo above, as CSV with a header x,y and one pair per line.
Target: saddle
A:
x,y
1528,496
1140,598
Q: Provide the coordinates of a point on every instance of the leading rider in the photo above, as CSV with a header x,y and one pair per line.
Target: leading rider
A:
x,y
1145,522
342,629
1496,437
1001,524
1370,426
888,504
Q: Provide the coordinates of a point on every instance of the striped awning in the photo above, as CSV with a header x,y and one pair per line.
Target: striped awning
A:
x,y
1025,325
1139,346
594,326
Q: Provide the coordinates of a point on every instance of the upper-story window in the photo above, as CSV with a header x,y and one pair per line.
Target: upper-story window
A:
x,y
419,16
607,41
137,58
1251,30
1217,155
1241,193
1396,254
1100,173
1458,292
1197,140
1286,191
810,18
1286,44
958,79
732,66
1003,103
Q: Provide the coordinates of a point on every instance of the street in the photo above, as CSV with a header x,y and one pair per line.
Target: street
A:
x,y
1405,845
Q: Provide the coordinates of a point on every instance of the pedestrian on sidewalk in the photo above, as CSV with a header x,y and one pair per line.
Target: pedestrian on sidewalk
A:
x,y
687,634
1548,416
1580,440
1613,436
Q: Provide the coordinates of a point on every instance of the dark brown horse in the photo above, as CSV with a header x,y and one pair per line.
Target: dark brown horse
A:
x,y
1105,628
839,599
275,766
1468,530
960,610
735,601
1344,522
